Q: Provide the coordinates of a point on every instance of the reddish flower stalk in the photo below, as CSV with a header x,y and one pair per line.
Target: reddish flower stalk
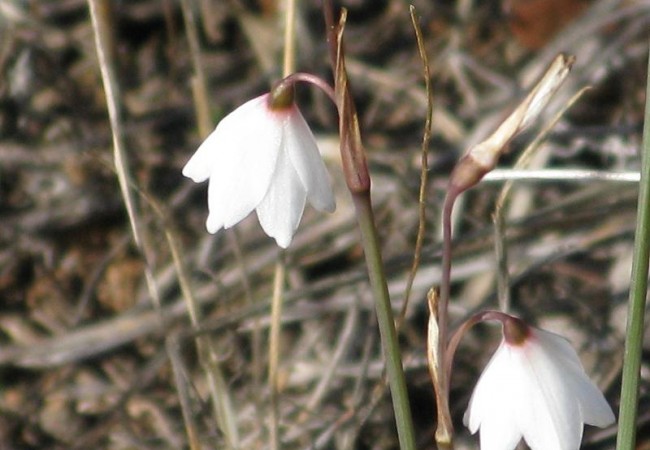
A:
x,y
470,169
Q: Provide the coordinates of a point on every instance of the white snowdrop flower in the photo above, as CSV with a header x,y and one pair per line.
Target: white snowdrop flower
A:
x,y
262,158
534,387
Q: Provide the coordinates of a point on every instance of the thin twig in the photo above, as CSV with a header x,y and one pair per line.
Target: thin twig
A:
x,y
422,199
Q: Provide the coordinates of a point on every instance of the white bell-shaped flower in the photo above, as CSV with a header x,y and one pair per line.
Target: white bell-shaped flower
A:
x,y
264,159
534,387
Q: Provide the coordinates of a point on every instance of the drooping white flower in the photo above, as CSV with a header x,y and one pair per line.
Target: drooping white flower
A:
x,y
264,159
535,387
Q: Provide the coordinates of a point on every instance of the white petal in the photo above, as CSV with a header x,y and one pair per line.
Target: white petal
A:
x,y
539,390
303,152
199,166
553,418
594,408
487,388
491,406
250,139
559,348
227,131
281,209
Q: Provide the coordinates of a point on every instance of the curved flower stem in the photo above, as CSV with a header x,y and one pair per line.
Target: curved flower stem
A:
x,y
463,328
445,285
390,345
470,169
638,291
305,77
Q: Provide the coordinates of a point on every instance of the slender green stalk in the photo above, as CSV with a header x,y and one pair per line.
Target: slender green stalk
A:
x,y
638,291
357,179
390,345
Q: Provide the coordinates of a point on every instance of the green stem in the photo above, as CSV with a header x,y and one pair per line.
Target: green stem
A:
x,y
390,345
638,291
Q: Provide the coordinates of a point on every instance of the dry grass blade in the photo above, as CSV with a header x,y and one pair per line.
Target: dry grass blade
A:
x,y
498,217
424,170
100,15
220,396
199,84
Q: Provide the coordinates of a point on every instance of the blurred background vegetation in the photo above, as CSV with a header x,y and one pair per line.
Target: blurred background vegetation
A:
x,y
83,362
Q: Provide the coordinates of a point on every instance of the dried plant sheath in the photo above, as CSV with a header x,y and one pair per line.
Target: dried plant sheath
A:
x,y
353,156
445,428
483,157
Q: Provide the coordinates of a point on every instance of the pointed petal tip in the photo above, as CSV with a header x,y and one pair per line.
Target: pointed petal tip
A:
x,y
282,234
194,174
324,205
601,418
199,166
212,224
469,424
283,242
278,229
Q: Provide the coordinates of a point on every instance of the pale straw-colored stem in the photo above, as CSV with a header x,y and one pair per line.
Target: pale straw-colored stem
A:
x,y
274,349
289,60
288,67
